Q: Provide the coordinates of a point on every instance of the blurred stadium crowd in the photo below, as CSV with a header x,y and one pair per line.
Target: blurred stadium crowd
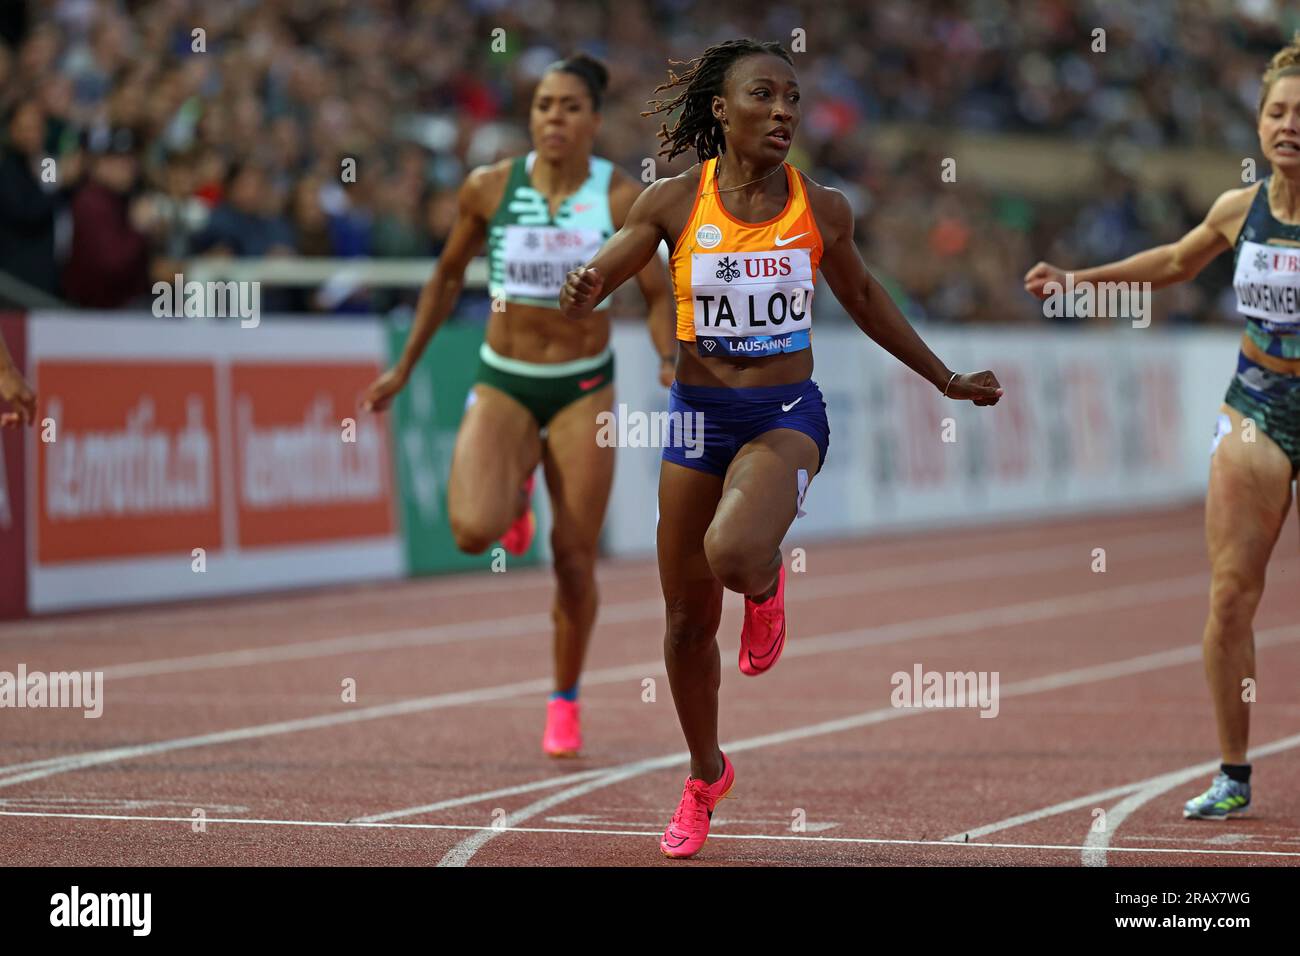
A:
x,y
163,152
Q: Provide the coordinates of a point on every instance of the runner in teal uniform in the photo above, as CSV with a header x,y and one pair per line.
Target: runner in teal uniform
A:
x,y
542,378
1256,444
529,253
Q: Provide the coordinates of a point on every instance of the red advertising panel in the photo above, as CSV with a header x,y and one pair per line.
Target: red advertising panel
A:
x,y
133,467
309,467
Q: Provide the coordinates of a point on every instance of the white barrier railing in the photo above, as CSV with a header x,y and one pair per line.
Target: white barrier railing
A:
x,y
300,271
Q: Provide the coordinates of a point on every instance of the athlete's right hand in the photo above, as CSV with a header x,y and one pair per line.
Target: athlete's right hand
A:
x,y
383,390
581,287
15,390
1039,276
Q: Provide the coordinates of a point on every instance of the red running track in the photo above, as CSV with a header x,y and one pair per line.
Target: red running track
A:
x,y
225,738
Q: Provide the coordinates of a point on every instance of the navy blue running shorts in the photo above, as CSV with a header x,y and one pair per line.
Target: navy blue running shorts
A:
x,y
712,424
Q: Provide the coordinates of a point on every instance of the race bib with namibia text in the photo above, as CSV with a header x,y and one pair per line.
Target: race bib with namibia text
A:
x,y
537,258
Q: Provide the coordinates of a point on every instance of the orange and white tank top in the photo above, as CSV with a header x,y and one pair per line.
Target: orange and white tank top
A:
x,y
746,288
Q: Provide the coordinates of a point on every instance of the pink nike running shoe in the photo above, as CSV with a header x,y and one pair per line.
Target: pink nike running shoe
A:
x,y
762,638
563,735
520,536
690,824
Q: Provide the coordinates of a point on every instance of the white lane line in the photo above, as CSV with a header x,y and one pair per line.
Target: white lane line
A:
x,y
596,820
1100,672
953,624
240,606
1096,844
463,852
109,803
944,625
480,797
426,591
766,837
1034,560
37,769
1268,638
517,625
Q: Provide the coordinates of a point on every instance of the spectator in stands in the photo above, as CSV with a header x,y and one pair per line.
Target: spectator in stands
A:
x,y
292,86
310,222
109,263
29,199
245,223
173,215
398,232
439,217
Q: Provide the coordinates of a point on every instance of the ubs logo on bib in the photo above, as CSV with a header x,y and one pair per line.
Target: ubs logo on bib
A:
x,y
708,235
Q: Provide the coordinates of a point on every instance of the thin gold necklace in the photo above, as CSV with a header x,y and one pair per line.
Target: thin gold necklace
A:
x,y
742,185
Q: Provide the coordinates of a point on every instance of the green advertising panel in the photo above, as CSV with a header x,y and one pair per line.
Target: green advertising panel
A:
x,y
425,418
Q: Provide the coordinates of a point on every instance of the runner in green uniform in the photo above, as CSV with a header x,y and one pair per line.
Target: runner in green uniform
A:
x,y
542,378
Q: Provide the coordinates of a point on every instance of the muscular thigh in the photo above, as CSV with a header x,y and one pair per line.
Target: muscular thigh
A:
x,y
760,495
497,446
579,471
1248,499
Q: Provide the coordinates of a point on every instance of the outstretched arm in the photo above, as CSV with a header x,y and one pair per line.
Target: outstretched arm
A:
x,y
874,311
439,295
626,253
1162,265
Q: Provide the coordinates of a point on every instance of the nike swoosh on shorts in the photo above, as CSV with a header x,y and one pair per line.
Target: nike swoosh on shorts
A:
x,y
786,408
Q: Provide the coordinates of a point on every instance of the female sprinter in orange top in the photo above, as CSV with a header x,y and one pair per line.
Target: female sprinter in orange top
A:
x,y
748,233
1250,474
541,215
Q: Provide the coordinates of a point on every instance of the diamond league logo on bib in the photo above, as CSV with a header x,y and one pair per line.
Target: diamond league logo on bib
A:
x,y
708,235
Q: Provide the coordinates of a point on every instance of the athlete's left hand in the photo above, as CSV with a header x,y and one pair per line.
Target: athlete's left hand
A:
x,y
982,388
667,372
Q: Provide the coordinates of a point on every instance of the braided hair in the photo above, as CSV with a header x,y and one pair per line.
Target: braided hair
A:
x,y
703,79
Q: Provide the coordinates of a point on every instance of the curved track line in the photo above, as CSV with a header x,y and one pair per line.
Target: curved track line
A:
x,y
945,625
1097,843
463,852
568,778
